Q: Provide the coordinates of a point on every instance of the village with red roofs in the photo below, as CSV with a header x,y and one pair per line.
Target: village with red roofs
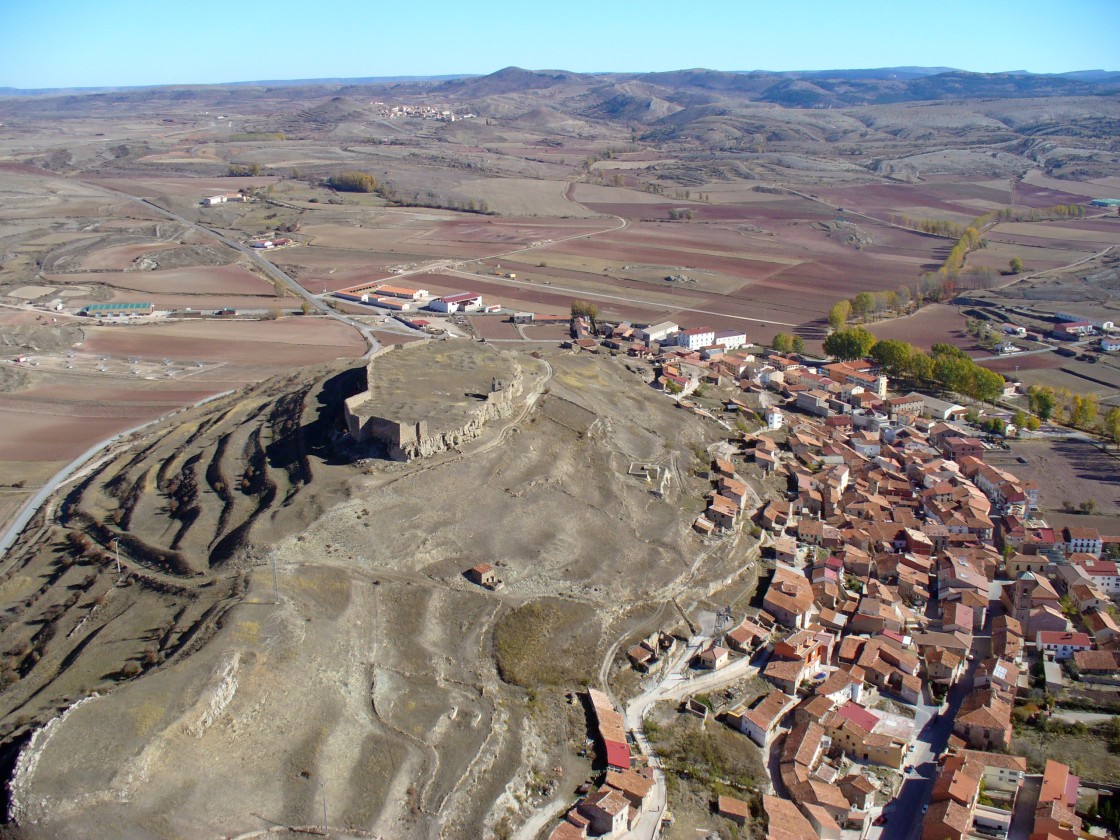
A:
x,y
917,608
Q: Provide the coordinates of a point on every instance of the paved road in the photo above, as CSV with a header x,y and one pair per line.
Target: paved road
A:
x,y
1071,716
904,813
1022,820
675,684
264,265
32,505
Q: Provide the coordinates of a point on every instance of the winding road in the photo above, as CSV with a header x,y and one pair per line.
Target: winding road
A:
x,y
32,505
269,269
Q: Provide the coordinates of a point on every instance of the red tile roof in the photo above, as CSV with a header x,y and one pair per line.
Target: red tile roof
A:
x,y
1057,637
618,754
858,715
460,297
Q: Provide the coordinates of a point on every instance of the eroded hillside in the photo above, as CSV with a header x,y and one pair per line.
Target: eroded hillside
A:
x,y
411,702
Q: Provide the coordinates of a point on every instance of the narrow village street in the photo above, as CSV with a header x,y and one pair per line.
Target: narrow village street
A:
x,y
676,683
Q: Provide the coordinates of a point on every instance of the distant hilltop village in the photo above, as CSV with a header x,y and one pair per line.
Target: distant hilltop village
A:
x,y
442,113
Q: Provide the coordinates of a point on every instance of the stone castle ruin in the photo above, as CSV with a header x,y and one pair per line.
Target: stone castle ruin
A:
x,y
428,397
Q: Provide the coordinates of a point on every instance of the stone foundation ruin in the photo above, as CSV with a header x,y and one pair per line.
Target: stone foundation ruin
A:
x,y
429,397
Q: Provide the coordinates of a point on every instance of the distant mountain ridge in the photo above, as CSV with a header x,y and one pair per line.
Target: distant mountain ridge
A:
x,y
517,80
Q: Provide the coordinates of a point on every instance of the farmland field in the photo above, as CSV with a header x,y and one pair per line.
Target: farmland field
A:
x,y
1072,471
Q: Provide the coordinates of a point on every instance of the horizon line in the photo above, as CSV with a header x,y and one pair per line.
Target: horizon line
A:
x,y
412,77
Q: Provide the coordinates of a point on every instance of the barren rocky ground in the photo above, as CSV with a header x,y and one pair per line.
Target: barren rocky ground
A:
x,y
374,681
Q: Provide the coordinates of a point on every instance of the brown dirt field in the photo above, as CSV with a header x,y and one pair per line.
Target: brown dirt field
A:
x,y
816,274
792,208
531,298
341,268
929,325
565,286
547,332
120,257
1109,526
619,298
526,196
63,413
1089,376
10,503
931,201
511,231
395,338
591,257
1089,231
20,318
595,194
493,326
225,280
1096,188
1072,470
1035,257
287,341
747,266
72,207
1031,195
1078,377
197,188
377,234
1068,250
33,436
157,393
1036,361
414,246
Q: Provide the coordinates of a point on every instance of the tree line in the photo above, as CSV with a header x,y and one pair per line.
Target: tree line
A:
x,y
363,182
955,230
786,343
952,369
1082,411
865,305
945,365
953,276
938,227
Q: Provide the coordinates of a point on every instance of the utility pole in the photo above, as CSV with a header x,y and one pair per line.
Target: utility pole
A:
x,y
117,551
323,790
275,581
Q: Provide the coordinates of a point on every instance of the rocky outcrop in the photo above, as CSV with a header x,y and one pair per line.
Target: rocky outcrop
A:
x,y
422,399
498,405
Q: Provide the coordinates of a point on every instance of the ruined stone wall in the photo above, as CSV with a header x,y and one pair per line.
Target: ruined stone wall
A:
x,y
497,406
356,424
407,441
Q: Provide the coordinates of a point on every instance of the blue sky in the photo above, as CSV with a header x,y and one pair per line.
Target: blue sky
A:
x,y
76,43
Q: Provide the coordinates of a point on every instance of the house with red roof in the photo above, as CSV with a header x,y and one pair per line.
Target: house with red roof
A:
x,y
611,730
760,720
1061,644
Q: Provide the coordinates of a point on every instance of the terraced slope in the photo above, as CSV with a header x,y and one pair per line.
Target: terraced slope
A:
x,y
184,508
